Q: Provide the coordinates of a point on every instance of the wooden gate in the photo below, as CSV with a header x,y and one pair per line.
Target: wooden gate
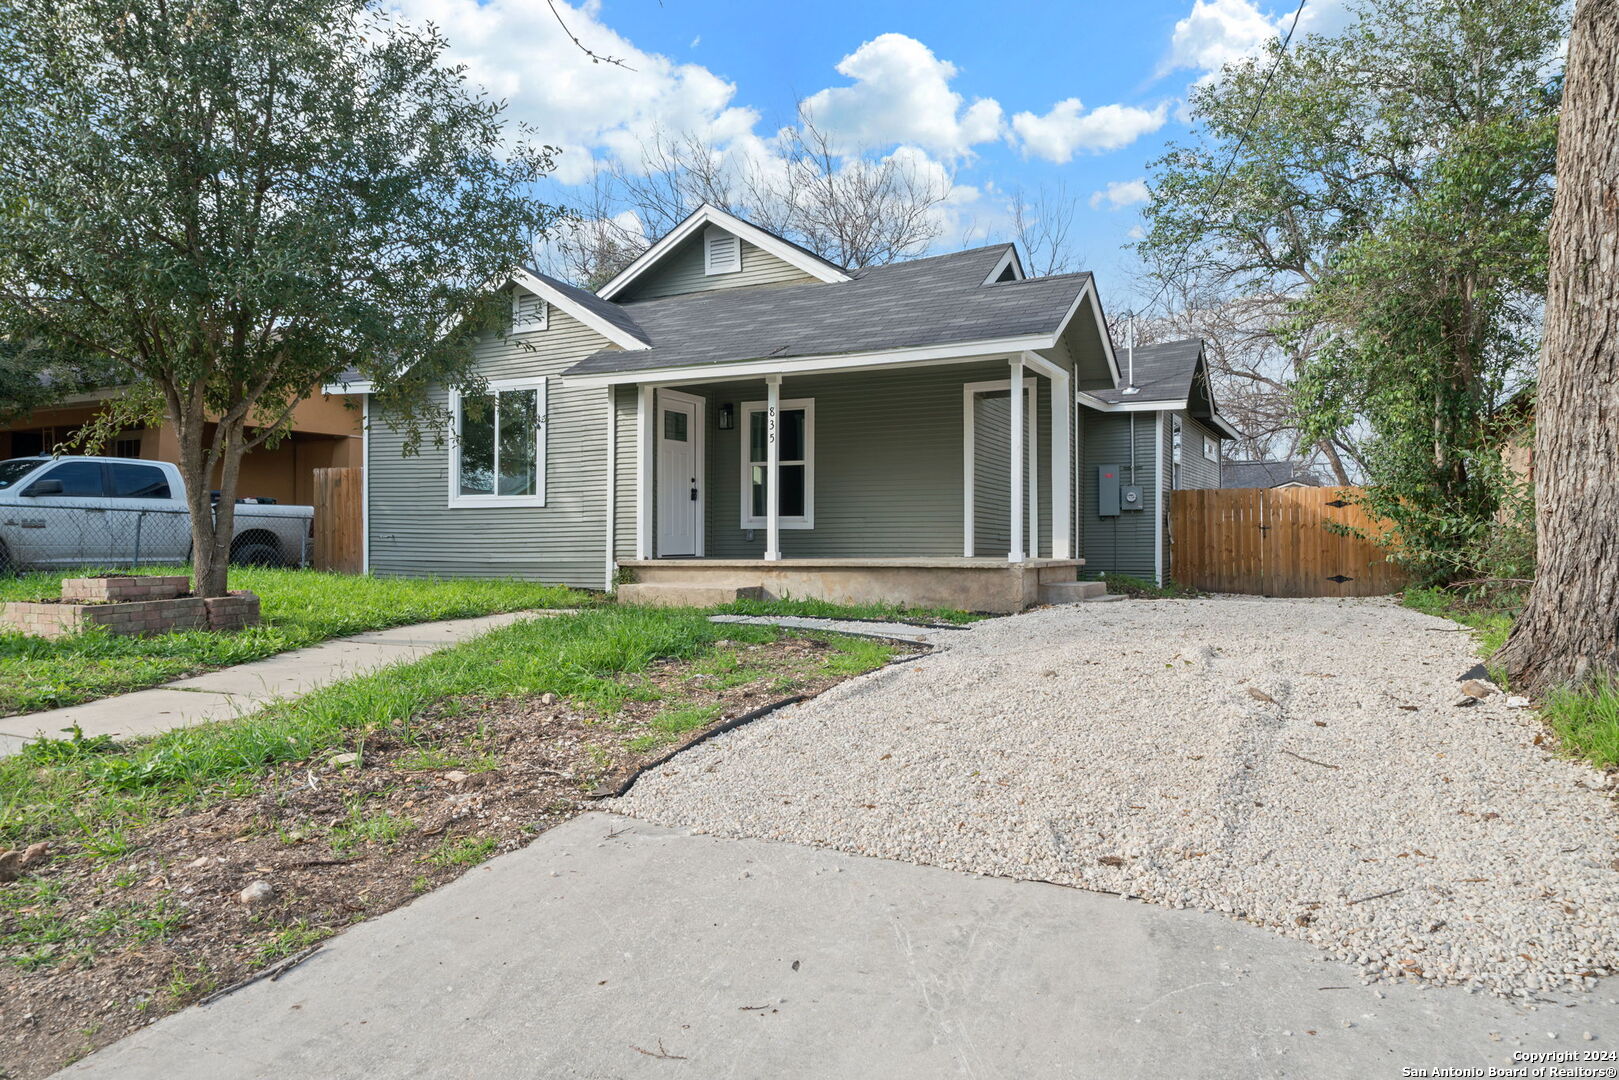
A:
x,y
339,532
1276,542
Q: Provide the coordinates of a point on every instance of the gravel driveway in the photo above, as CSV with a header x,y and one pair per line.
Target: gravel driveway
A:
x,y
1299,764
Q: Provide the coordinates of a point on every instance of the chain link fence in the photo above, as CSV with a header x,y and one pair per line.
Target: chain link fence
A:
x,y
45,536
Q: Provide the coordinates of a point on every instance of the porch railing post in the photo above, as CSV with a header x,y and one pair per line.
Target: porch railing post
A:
x,y
1016,455
773,468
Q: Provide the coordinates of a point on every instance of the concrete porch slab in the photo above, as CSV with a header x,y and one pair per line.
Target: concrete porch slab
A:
x,y
613,948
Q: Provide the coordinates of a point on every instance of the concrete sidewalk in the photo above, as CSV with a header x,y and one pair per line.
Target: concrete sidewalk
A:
x,y
233,691
613,948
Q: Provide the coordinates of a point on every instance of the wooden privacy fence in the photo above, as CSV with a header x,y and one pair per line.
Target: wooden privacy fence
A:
x,y
1276,542
338,529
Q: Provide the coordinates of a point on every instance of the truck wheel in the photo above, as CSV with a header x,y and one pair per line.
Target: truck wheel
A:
x,y
7,567
254,552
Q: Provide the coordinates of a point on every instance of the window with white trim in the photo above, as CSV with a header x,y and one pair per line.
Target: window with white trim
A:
x,y
796,433
530,313
497,445
1211,448
722,252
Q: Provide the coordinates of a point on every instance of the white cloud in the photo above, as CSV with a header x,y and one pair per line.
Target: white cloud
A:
x,y
1121,193
902,94
517,51
1067,128
1216,33
1220,31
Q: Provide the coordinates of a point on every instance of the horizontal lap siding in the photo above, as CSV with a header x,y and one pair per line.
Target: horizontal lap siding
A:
x,y
681,271
1197,471
1125,544
414,532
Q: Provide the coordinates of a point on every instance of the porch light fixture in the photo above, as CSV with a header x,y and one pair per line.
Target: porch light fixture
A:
x,y
727,416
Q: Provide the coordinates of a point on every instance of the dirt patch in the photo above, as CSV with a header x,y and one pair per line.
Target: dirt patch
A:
x,y
93,948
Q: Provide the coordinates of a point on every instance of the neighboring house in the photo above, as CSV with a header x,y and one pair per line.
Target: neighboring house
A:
x,y
733,413
325,434
1268,474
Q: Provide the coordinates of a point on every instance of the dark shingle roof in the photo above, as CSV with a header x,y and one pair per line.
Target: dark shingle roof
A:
x,y
1163,372
1266,474
606,309
935,301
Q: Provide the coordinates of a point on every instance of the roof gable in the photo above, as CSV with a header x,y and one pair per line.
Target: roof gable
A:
x,y
667,247
609,320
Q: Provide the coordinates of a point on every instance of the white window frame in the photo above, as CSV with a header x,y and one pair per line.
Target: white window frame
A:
x,y
519,294
745,423
712,233
1211,448
496,386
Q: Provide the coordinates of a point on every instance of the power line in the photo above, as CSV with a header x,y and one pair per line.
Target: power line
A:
x,y
1247,131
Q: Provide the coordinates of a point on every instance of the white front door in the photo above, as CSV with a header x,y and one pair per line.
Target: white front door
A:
x,y
680,465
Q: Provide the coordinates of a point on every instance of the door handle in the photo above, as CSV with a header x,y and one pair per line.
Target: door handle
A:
x,y
693,494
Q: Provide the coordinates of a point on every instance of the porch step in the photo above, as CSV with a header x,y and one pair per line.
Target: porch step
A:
x,y
1072,592
683,594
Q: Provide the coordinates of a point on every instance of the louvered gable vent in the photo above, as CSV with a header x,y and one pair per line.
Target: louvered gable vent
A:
x,y
722,252
528,311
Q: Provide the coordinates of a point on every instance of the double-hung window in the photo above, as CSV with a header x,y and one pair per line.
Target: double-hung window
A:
x,y
497,445
795,432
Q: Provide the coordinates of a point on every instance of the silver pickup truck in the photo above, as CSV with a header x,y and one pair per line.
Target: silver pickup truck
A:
x,y
103,511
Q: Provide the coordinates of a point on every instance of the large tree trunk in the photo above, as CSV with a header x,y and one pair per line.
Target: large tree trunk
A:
x,y
212,526
1570,630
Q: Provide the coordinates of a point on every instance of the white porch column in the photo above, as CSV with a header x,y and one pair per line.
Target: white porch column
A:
x,y
1034,467
773,468
1062,468
1016,455
644,420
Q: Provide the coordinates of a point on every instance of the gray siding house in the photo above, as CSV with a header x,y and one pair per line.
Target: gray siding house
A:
x,y
733,415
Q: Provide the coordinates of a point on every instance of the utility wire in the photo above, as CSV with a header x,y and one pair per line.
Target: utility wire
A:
x,y
1247,131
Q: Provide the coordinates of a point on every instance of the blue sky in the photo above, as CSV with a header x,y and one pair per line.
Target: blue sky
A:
x,y
996,96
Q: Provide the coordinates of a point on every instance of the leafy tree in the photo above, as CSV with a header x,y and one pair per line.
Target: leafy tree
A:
x,y
1391,185
1569,632
232,201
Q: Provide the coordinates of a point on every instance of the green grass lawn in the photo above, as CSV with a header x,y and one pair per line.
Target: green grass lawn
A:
x,y
300,607
1585,719
91,792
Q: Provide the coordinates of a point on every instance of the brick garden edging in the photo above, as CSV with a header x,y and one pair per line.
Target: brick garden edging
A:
x,y
131,606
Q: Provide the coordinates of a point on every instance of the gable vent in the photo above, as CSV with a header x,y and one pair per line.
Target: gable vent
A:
x,y
722,252
529,312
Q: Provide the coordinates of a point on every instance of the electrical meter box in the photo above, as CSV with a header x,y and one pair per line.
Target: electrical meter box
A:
x,y
1107,491
1130,496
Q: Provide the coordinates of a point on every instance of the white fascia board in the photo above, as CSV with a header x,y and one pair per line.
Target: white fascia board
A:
x,y
962,353
616,335
1009,259
713,215
1226,426
1128,406
359,386
1089,293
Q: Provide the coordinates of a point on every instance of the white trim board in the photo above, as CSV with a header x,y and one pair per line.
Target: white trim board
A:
x,y
964,353
712,215
617,335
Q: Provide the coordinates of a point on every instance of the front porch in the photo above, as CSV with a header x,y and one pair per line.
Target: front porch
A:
x,y
977,584
949,483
